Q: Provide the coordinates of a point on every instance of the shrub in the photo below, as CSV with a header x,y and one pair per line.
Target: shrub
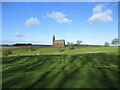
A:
x,y
71,46
61,50
32,49
7,52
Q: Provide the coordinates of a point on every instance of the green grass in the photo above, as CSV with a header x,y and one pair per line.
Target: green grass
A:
x,y
85,67
55,50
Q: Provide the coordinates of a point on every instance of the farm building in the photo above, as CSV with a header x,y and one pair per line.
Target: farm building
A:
x,y
58,42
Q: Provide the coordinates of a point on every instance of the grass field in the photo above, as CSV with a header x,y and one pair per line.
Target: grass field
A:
x,y
67,51
83,67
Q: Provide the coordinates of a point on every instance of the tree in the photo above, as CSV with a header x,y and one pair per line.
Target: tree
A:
x,y
106,44
79,42
68,43
115,42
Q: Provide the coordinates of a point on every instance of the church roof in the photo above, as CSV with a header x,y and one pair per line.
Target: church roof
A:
x,y
59,41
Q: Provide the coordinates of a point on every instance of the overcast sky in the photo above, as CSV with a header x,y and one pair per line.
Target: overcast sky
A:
x,y
33,22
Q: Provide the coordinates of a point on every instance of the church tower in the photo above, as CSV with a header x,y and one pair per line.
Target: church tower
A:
x,y
53,39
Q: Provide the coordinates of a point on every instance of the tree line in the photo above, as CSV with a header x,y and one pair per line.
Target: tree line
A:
x,y
114,42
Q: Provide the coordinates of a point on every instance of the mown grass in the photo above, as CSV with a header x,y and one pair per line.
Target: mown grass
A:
x,y
83,67
86,70
67,51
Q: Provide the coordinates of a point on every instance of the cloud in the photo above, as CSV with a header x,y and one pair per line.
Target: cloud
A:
x,y
17,34
32,21
28,40
9,41
59,16
99,15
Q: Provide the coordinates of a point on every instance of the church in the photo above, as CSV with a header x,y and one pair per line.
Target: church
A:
x,y
58,42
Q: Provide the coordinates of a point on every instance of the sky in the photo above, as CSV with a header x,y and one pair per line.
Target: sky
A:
x,y
36,22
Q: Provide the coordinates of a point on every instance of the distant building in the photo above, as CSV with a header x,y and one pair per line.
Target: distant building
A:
x,y
58,42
